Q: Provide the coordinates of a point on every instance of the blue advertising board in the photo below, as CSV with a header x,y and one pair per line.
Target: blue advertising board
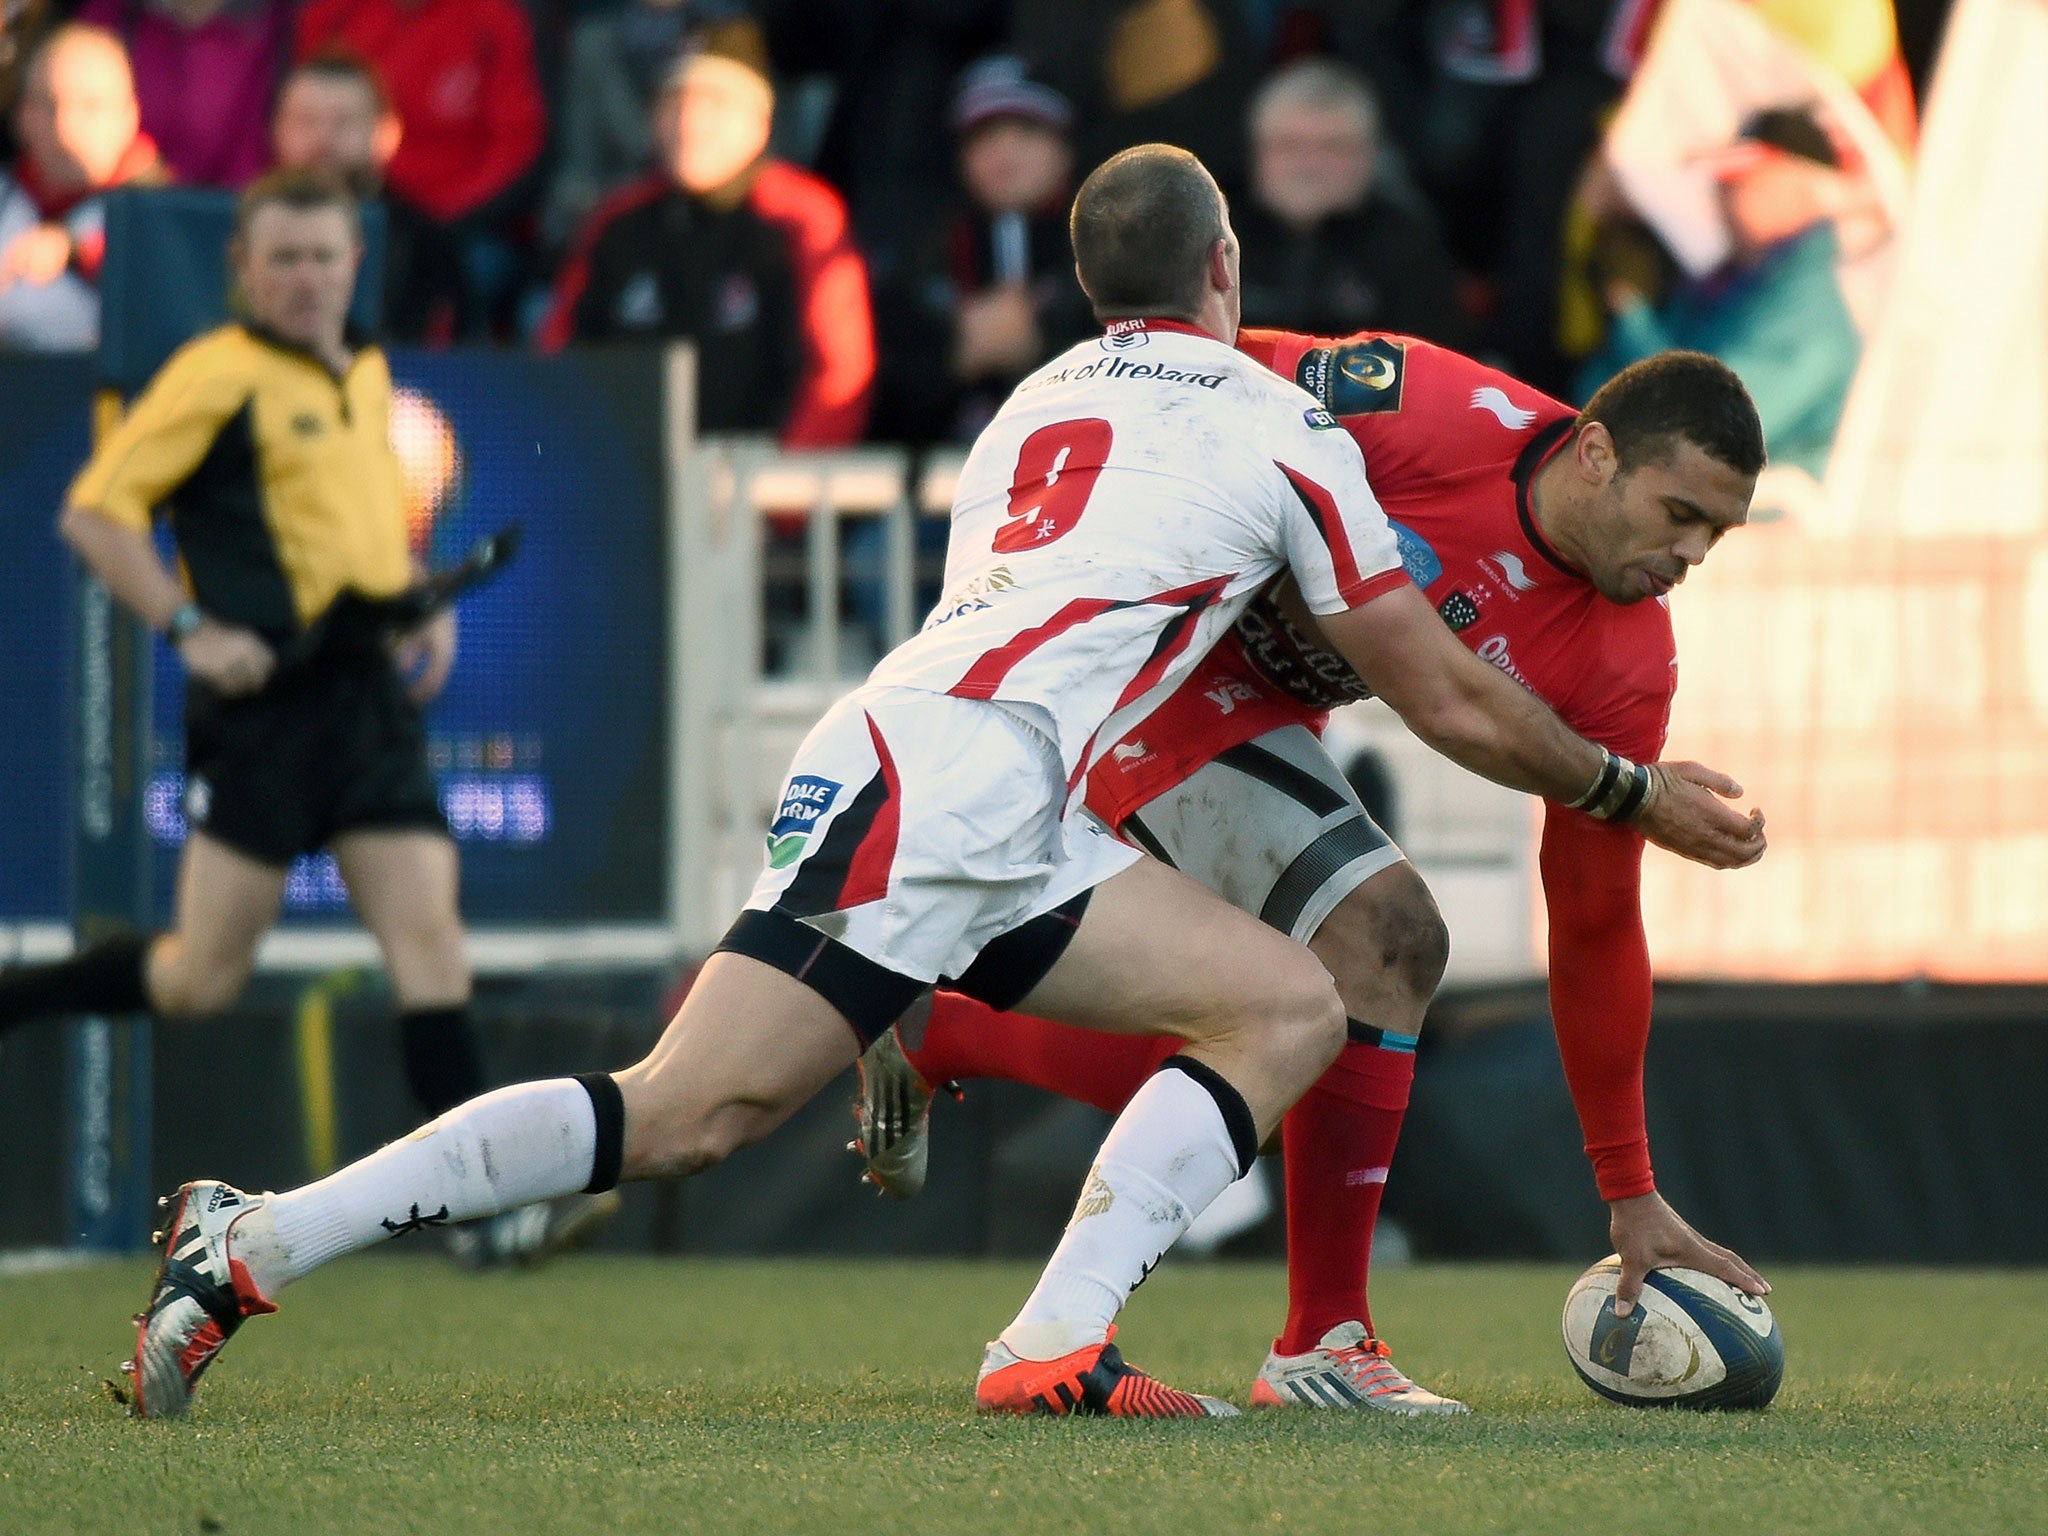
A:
x,y
550,741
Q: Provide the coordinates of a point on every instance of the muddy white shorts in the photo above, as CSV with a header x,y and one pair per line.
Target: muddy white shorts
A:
x,y
919,839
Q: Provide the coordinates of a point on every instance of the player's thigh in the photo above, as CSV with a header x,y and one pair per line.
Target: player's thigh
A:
x,y
1272,827
1155,952
226,902
749,1045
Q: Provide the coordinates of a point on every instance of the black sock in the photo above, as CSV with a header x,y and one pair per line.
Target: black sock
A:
x,y
443,1065
107,977
608,1105
1237,1115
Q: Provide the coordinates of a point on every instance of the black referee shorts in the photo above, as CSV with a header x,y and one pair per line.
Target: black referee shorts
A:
x,y
328,747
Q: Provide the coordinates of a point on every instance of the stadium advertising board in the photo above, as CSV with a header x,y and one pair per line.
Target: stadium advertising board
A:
x,y
549,743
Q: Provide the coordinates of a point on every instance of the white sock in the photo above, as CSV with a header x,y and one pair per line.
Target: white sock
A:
x,y
532,1141
1168,1155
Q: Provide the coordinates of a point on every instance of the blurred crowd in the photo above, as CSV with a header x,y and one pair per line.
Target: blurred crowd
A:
x,y
855,208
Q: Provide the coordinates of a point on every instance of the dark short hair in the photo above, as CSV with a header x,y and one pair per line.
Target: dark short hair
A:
x,y
1143,226
1650,406
296,189
340,64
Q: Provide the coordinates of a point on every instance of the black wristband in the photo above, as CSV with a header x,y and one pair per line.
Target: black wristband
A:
x,y
1638,794
1618,792
1602,785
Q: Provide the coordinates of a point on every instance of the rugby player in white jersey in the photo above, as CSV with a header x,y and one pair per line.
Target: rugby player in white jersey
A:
x,y
1112,523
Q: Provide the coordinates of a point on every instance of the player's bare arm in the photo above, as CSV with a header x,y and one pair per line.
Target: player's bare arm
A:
x,y
1483,720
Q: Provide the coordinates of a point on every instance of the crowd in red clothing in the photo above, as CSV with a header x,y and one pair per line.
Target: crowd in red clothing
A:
x,y
853,207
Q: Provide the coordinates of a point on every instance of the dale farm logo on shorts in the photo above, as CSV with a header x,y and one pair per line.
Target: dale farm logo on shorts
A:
x,y
804,803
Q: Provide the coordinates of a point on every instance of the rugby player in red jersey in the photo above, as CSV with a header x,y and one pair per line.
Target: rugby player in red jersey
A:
x,y
1548,539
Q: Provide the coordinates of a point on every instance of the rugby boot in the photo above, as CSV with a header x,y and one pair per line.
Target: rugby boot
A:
x,y
1348,1368
1092,1380
204,1288
894,1114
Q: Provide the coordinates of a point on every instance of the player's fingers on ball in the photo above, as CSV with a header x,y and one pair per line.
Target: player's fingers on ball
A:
x,y
1628,1289
1744,1276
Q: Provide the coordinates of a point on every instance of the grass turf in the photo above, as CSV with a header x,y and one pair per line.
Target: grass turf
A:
x,y
627,1395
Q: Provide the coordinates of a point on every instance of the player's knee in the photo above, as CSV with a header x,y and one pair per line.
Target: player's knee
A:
x,y
1388,933
428,959
195,987
1416,944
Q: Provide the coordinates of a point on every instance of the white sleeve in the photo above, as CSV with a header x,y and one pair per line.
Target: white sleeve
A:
x,y
1335,533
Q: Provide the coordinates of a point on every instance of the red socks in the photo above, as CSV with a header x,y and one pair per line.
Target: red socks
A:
x,y
964,1039
1339,1140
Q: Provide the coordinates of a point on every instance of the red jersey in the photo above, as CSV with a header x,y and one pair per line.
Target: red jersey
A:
x,y
1452,448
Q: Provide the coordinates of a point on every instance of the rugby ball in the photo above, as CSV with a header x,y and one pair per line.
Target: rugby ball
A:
x,y
1692,1341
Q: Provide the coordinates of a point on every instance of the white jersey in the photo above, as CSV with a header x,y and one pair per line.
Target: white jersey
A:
x,y
1116,516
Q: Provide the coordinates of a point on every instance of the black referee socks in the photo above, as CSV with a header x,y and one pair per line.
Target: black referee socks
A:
x,y
443,1065
107,977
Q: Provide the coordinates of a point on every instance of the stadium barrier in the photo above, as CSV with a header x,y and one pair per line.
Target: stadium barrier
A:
x,y
1849,1124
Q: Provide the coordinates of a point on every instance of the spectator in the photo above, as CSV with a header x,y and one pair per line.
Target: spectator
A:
x,y
617,61
23,26
1496,104
461,79
1142,71
1328,247
205,72
889,68
333,118
78,126
745,255
994,291
1774,311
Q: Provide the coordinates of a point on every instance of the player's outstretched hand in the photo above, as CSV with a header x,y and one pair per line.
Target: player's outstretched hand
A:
x,y
227,658
426,657
1684,812
1649,1235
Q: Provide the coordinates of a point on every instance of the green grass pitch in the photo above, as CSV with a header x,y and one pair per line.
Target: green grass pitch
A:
x,y
626,1395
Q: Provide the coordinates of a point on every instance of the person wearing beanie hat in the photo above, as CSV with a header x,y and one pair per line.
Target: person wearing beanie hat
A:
x,y
993,291
744,254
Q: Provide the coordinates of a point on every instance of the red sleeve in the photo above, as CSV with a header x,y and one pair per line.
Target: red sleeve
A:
x,y
318,24
1600,989
558,329
514,115
831,405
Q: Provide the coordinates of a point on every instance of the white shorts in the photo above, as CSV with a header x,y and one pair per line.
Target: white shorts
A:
x,y
1272,827
914,830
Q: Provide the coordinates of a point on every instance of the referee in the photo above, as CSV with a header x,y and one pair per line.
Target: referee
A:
x,y
266,443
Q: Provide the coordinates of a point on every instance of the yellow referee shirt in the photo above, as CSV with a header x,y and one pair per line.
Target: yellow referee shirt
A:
x,y
279,478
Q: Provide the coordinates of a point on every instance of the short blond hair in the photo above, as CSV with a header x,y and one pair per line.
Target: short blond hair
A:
x,y
295,189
